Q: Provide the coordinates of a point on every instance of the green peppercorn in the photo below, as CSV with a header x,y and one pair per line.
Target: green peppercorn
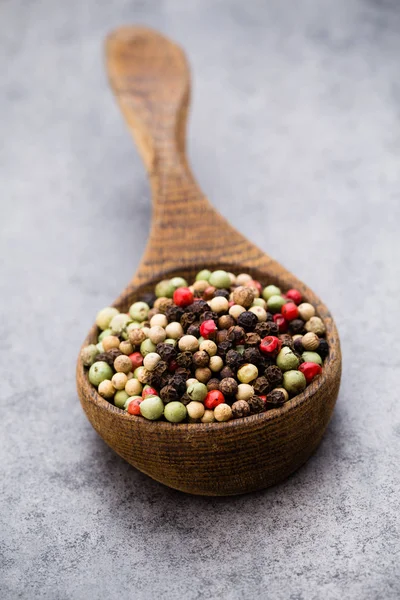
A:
x,y
119,323
312,357
152,408
287,360
178,282
240,349
99,371
275,303
220,279
88,355
120,398
146,347
197,391
294,382
174,412
270,290
170,341
203,275
164,289
104,317
100,347
139,311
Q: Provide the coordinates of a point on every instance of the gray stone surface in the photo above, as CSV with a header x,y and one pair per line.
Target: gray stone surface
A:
x,y
295,137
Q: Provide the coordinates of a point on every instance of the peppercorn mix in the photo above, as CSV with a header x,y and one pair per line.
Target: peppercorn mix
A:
x,y
222,348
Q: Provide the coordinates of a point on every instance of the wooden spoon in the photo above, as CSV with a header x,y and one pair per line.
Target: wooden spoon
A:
x,y
150,78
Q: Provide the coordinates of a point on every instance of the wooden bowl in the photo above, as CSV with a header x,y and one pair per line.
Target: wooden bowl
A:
x,y
150,78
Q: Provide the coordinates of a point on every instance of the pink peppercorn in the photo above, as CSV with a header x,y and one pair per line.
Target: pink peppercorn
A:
x,y
310,370
290,311
281,322
183,297
213,398
136,360
134,406
150,391
270,345
294,295
207,328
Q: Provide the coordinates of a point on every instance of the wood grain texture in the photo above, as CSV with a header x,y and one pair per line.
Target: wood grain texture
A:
x,y
150,78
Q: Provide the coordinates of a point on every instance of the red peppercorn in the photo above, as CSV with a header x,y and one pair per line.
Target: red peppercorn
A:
x,y
290,311
264,399
253,283
213,398
294,296
134,406
281,322
310,370
136,360
207,328
150,391
183,297
270,345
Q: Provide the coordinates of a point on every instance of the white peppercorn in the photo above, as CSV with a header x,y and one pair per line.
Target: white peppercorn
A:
x,y
151,360
133,387
306,311
245,391
159,320
315,325
174,330
223,412
188,343
122,364
106,389
209,346
216,363
119,380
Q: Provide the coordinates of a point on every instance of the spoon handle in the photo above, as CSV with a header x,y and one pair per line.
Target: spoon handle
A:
x,y
150,78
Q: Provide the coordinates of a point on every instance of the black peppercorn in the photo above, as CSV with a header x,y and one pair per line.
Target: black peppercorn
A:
x,y
270,317
226,321
226,372
233,359
247,320
223,293
169,393
179,382
296,326
109,356
221,336
228,386
185,359
236,334
174,313
298,346
160,368
223,348
209,315
185,399
240,409
201,358
194,329
275,398
166,351
213,384
254,356
187,319
274,375
252,340
256,405
323,349
261,386
287,340
197,307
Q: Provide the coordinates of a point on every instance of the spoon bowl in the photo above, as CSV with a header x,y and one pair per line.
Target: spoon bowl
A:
x,y
150,78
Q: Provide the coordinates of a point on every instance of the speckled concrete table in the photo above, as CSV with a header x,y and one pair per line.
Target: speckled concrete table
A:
x,y
295,136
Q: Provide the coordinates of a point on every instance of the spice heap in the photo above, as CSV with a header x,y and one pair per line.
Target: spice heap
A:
x,y
220,349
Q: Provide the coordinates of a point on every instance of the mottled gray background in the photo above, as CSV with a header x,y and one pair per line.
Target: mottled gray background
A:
x,y
295,136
